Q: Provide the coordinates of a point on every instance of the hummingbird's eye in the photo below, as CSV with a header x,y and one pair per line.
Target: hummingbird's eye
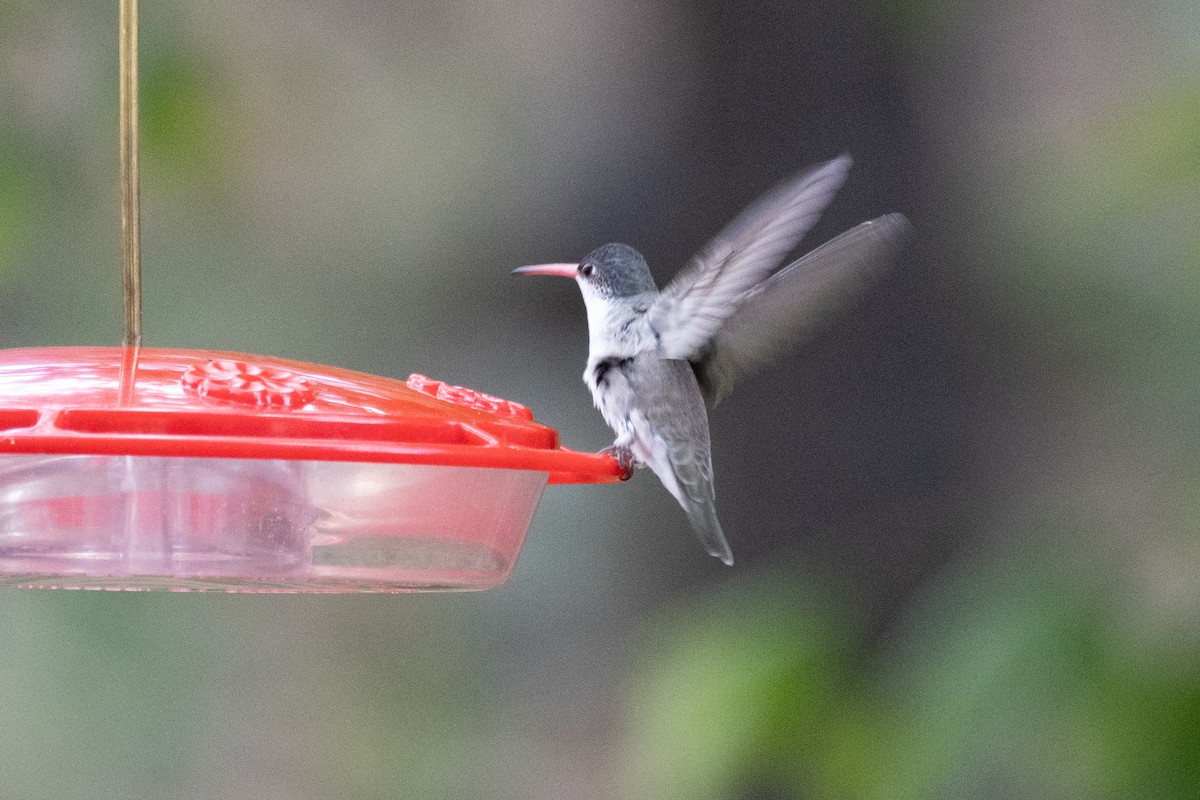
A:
x,y
586,270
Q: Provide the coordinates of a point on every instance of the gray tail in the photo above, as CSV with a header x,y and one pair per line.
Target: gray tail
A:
x,y
703,516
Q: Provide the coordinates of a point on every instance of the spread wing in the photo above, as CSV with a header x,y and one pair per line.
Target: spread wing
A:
x,y
796,300
691,309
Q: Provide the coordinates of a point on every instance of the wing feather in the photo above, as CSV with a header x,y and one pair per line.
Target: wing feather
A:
x,y
795,301
692,307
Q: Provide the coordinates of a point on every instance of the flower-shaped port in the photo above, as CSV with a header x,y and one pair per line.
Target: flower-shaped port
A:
x,y
248,384
462,396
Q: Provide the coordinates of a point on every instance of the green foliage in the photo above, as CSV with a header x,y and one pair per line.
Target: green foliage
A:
x,y
1010,682
16,217
731,690
186,130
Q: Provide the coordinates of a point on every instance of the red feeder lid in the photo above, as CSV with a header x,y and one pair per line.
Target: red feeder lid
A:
x,y
199,403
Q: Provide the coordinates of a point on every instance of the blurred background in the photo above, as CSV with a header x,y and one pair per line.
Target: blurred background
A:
x,y
964,513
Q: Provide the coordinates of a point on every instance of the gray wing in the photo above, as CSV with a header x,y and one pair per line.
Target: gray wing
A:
x,y
796,300
669,399
692,307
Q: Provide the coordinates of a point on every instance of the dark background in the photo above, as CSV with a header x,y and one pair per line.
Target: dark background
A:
x,y
963,512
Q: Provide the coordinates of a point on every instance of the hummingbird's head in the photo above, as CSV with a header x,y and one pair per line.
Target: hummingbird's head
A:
x,y
610,272
615,271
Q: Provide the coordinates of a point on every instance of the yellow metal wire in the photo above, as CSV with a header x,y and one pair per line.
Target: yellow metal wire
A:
x,y
131,221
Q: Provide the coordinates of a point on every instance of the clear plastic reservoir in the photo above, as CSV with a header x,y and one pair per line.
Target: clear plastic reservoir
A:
x,y
138,522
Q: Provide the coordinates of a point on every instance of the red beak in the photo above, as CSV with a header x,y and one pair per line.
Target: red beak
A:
x,y
562,270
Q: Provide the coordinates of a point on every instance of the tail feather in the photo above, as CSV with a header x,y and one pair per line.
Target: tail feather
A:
x,y
703,516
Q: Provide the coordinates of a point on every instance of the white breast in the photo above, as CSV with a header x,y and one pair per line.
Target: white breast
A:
x,y
617,332
611,394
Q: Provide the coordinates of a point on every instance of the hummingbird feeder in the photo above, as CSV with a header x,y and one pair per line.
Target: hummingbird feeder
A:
x,y
145,468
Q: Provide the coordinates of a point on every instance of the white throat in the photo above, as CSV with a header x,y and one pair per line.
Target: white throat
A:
x,y
614,327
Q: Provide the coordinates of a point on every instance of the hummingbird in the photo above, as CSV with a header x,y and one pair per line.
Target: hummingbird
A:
x,y
658,361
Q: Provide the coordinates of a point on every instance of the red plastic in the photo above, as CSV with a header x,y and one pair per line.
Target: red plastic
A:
x,y
247,384
228,405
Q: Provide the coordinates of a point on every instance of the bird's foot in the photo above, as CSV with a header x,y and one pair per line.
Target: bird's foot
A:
x,y
624,457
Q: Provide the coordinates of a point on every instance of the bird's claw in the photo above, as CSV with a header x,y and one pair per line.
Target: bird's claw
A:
x,y
624,457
